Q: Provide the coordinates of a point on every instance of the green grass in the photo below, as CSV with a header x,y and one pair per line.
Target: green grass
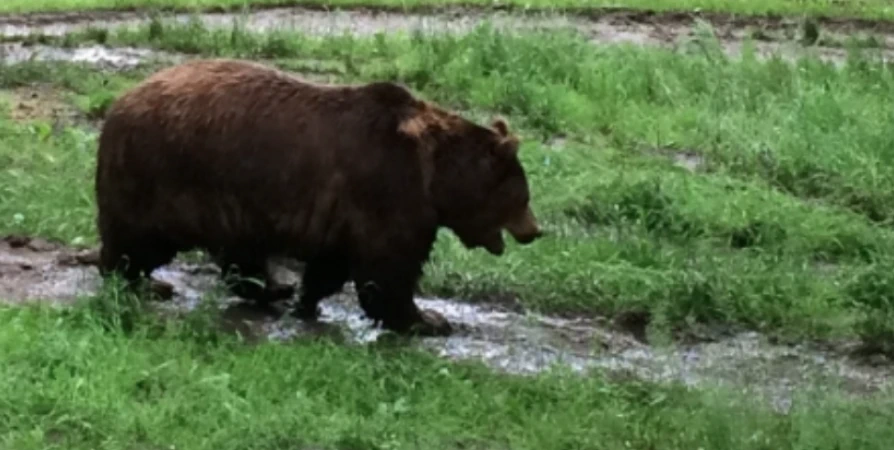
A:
x,y
876,9
776,232
785,229
74,381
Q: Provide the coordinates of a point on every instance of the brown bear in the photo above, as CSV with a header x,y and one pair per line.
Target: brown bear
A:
x,y
248,162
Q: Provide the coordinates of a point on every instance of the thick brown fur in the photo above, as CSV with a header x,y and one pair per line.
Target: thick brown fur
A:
x,y
248,162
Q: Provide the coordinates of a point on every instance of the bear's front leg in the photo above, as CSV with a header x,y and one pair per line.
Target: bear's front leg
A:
x,y
386,295
323,277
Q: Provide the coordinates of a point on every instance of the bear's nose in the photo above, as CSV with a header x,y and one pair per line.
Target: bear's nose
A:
x,y
527,238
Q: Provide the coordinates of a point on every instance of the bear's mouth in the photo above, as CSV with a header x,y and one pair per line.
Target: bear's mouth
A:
x,y
495,245
524,227
492,242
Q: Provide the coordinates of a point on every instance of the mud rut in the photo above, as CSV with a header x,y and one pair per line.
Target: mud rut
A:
x,y
771,36
35,270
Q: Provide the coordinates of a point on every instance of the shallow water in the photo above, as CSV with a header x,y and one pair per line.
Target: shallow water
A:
x,y
33,270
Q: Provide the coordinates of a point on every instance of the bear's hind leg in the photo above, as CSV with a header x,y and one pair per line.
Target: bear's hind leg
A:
x,y
385,293
322,277
249,278
135,258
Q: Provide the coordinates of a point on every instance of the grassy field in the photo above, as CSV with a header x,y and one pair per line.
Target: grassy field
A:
x,y
784,228
874,9
72,381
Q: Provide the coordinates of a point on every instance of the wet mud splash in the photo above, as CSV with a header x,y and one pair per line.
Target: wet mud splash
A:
x,y
33,270
780,37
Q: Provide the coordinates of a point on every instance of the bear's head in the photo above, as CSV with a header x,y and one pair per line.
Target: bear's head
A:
x,y
477,182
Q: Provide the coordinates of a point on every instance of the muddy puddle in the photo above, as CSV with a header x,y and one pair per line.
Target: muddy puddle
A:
x,y
118,58
35,270
771,37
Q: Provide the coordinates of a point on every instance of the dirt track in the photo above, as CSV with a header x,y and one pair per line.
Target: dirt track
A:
x,y
670,30
34,270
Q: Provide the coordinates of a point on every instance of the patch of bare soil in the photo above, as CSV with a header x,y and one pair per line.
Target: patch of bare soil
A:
x,y
39,102
772,35
33,270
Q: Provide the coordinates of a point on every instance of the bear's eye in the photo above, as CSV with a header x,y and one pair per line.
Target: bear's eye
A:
x,y
512,186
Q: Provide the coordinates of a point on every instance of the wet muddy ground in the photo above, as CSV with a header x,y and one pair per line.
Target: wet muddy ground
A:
x,y
781,37
119,58
34,270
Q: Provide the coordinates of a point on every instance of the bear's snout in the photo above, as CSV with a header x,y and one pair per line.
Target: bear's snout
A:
x,y
524,229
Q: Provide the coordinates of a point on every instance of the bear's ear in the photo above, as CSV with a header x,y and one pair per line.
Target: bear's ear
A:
x,y
501,125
